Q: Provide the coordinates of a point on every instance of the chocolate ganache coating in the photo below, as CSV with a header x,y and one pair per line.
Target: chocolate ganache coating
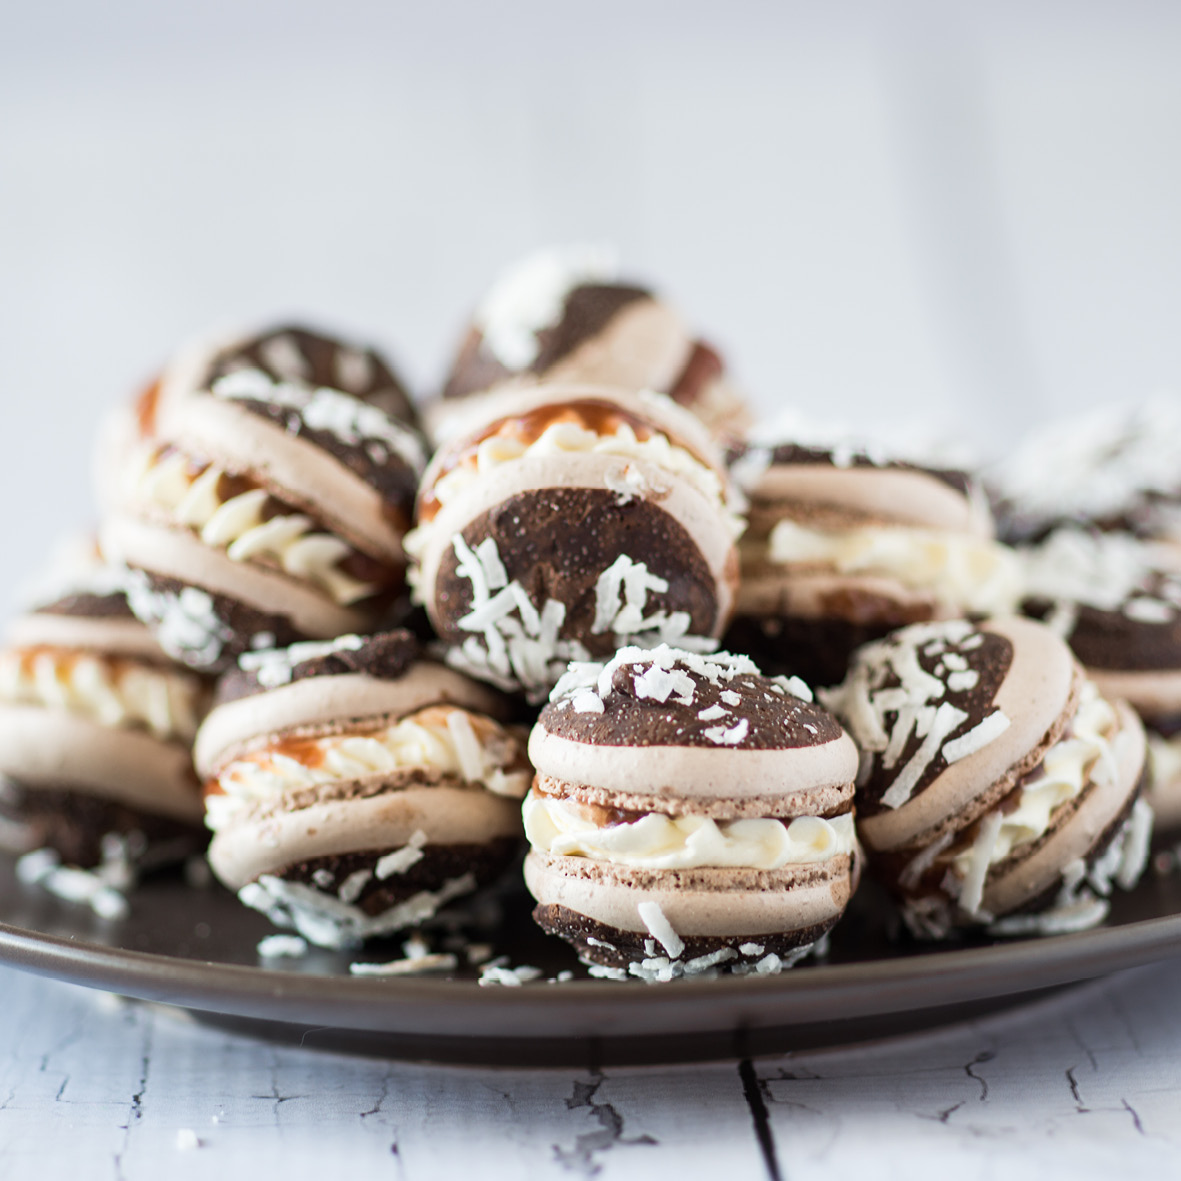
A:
x,y
297,354
558,542
668,698
908,681
85,605
385,656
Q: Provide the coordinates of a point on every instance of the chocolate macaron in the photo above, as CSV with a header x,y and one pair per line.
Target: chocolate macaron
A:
x,y
574,521
688,814
1116,600
264,508
845,544
353,789
565,316
998,787
96,726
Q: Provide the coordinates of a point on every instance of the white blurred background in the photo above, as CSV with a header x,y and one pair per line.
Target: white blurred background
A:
x,y
963,214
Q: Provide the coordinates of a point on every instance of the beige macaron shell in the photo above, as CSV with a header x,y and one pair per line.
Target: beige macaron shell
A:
x,y
328,703
701,902
805,775
1025,878
1034,694
109,635
906,496
1153,692
446,815
178,553
57,749
292,468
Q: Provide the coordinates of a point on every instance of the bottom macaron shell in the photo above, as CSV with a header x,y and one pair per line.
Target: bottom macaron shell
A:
x,y
718,904
613,947
77,826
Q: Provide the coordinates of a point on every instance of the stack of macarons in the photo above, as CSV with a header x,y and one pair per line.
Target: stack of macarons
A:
x,y
96,726
260,507
688,814
353,787
568,522
846,543
564,315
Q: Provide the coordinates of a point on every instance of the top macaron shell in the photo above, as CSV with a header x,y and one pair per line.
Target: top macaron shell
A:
x,y
676,732
959,713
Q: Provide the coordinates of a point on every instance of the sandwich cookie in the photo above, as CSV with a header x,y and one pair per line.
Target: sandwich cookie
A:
x,y
265,509
565,316
353,789
998,786
96,725
287,353
688,814
574,521
845,545
1116,600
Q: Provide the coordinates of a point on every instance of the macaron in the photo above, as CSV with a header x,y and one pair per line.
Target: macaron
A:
x,y
1116,600
846,544
354,788
96,725
688,814
263,508
999,788
564,315
574,520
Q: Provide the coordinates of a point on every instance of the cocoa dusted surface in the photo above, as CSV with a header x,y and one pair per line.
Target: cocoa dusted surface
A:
x,y
775,719
385,656
320,356
244,622
791,454
556,542
818,650
991,661
439,864
588,309
627,947
74,823
1111,641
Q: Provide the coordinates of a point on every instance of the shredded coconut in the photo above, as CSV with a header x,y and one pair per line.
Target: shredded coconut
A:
x,y
400,860
282,947
276,666
662,930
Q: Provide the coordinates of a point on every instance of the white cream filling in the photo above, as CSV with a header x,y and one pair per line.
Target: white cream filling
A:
x,y
293,541
1069,765
565,828
1164,761
113,692
970,573
570,437
442,738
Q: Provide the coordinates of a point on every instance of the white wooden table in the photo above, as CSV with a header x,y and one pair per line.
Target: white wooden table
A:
x,y
1086,1084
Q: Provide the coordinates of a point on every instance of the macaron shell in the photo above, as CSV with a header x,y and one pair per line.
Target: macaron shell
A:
x,y
1037,695
180,554
447,815
329,704
293,469
803,779
689,509
110,635
66,750
1152,693
907,496
1076,832
870,599
714,902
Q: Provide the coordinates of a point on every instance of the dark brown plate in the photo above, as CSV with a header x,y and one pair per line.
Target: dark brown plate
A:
x,y
195,947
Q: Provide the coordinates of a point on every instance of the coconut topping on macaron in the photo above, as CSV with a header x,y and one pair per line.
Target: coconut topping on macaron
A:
x,y
353,788
577,521
992,770
688,794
